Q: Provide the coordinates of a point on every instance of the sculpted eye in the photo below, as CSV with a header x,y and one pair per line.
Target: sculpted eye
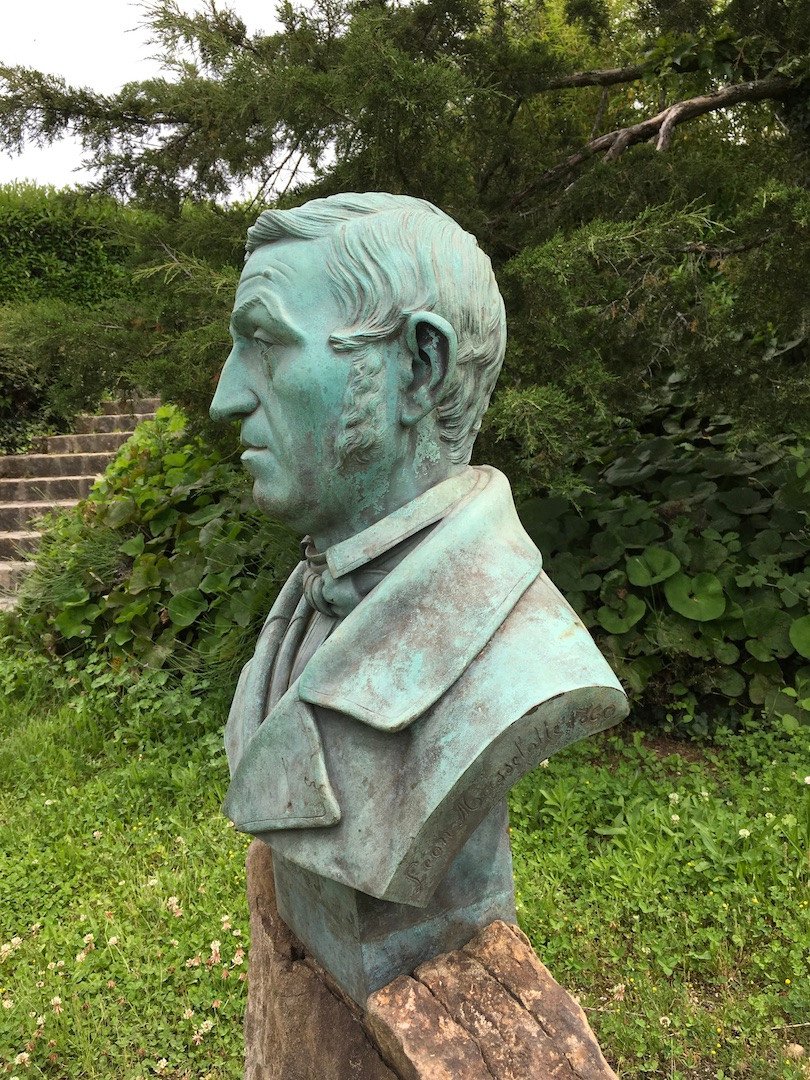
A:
x,y
266,346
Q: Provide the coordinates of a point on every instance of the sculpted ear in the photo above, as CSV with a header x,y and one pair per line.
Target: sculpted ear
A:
x,y
433,346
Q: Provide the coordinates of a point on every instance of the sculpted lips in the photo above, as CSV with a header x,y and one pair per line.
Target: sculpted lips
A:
x,y
252,452
250,442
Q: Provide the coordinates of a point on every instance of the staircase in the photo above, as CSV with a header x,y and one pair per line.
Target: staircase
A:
x,y
59,475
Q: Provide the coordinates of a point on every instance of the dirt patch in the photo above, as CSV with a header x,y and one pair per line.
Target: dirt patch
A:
x,y
665,746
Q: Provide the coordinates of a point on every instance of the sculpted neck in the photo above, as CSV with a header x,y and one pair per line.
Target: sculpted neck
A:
x,y
374,491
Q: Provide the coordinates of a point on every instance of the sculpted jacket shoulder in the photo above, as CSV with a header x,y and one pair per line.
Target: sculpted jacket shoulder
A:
x,y
456,675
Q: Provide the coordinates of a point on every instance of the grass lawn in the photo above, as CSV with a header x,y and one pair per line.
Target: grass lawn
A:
x,y
667,890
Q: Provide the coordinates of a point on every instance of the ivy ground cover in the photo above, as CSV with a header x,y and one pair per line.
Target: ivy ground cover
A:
x,y
668,893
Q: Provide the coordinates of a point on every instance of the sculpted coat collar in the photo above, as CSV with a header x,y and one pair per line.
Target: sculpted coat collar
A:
x,y
385,665
427,620
336,580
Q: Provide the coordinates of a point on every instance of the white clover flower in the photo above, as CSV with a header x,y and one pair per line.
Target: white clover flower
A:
x,y
674,797
744,834
8,1003
173,904
113,940
188,1013
664,1021
807,779
675,818
23,1059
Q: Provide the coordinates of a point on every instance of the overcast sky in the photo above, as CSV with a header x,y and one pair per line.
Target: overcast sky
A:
x,y
94,43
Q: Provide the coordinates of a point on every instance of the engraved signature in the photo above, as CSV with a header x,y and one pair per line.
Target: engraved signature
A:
x,y
523,754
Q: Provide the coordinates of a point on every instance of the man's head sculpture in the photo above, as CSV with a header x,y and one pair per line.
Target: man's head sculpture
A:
x,y
368,335
418,661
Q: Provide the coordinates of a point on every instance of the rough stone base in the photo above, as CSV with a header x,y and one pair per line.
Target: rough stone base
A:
x,y
489,1011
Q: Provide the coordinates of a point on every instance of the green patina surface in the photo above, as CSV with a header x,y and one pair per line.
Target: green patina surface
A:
x,y
384,718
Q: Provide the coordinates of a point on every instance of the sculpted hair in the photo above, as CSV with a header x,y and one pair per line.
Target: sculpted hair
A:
x,y
390,256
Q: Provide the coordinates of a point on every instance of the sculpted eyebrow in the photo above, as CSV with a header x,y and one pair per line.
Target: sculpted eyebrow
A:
x,y
244,319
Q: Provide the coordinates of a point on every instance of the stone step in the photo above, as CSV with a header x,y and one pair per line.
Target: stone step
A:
x,y
42,465
86,425
136,405
46,488
95,442
18,515
12,571
12,543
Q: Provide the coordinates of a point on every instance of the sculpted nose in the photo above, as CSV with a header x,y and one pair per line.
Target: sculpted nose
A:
x,y
234,397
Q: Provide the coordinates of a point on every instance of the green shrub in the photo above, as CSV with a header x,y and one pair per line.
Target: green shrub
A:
x,y
100,298
64,244
167,562
688,561
599,308
58,359
69,318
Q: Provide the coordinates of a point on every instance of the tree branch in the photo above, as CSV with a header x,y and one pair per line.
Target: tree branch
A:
x,y
607,77
662,125
614,76
711,252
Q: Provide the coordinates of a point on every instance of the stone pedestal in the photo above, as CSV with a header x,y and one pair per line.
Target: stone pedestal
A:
x,y
488,1011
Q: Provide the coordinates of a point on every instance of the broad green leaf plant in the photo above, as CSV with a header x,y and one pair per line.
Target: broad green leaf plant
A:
x,y
688,562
